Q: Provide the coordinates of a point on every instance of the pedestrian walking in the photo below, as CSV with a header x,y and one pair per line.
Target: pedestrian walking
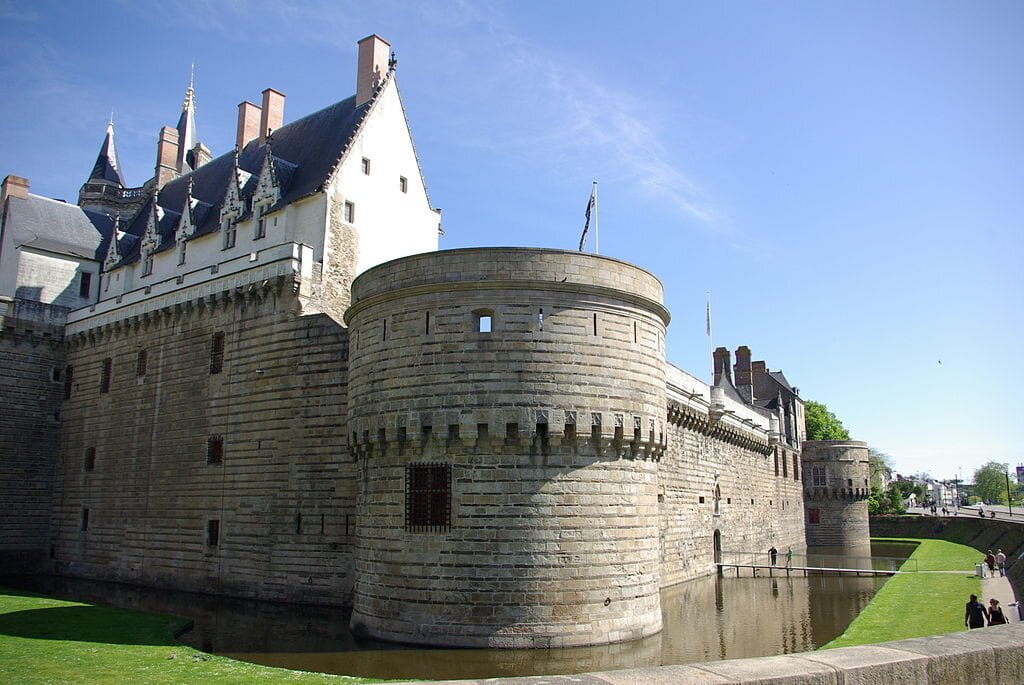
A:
x,y
975,613
773,554
789,557
995,613
1001,563
990,560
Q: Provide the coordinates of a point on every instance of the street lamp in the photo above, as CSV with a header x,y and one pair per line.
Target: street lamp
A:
x,y
1009,498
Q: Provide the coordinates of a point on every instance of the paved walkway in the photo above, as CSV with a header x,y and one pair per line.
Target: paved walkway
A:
x,y
1001,589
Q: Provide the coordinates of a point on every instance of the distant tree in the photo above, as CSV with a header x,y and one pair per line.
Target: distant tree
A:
x,y
990,482
888,502
878,463
895,503
823,424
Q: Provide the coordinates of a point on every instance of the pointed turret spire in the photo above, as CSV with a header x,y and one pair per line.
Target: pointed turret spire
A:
x,y
107,166
187,127
113,257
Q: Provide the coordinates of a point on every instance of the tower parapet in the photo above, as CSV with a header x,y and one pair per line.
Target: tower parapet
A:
x,y
836,491
507,410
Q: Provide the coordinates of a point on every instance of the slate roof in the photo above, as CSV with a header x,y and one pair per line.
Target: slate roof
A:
x,y
107,166
781,380
304,153
55,226
730,390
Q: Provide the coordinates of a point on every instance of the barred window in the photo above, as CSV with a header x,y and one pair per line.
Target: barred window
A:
x,y
428,497
213,532
105,372
818,476
215,449
68,373
217,353
140,363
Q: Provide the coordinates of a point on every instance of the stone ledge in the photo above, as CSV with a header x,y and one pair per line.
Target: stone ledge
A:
x,y
990,655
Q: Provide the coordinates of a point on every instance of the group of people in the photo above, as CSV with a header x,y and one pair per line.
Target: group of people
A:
x,y
977,615
773,555
993,560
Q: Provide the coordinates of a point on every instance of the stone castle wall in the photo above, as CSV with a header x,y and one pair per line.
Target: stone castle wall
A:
x,y
31,385
837,497
551,423
137,456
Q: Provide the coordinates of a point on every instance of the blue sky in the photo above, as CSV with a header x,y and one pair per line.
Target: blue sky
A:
x,y
846,178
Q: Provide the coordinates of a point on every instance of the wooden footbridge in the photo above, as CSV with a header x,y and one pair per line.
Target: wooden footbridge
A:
x,y
778,570
823,564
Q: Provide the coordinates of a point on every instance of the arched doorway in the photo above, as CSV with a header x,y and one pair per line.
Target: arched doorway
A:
x,y
718,548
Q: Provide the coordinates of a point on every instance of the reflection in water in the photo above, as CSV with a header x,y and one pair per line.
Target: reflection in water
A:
x,y
707,619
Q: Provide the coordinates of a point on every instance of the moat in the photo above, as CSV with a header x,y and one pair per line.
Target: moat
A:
x,y
707,619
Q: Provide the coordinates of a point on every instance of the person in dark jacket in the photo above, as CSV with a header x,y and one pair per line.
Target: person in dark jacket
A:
x,y
975,613
995,613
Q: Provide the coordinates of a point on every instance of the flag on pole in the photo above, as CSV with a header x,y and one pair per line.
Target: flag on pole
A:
x,y
586,224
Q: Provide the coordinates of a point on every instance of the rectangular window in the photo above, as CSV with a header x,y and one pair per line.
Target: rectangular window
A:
x,y
540,319
85,285
215,449
796,467
403,184
85,518
814,516
217,353
366,166
818,476
55,373
261,224
67,382
230,233
350,212
105,373
776,462
785,466
213,532
484,321
90,458
428,497
140,363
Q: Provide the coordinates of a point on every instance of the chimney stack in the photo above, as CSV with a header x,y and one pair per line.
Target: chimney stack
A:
x,y
14,186
374,55
166,156
744,378
723,363
272,113
248,124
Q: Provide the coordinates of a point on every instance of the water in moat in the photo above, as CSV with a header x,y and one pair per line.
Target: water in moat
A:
x,y
704,620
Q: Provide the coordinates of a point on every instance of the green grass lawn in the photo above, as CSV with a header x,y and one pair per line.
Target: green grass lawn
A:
x,y
918,604
46,640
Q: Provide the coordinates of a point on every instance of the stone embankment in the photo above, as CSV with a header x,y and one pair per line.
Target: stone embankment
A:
x,y
994,654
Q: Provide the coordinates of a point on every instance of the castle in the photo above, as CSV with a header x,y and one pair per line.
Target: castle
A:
x,y
256,375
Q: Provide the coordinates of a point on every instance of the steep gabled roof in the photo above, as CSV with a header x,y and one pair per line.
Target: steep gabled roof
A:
x,y
107,166
781,380
54,226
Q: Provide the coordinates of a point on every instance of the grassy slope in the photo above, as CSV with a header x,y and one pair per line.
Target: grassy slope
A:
x,y
46,640
918,604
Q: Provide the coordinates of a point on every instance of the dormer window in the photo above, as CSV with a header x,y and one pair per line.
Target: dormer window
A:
x,y
147,264
366,166
181,253
403,184
261,223
230,233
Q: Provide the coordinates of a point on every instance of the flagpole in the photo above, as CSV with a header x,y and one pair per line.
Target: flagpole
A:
x,y
597,233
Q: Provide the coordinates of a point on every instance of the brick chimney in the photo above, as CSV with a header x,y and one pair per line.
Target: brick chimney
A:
x,y
14,186
723,363
248,124
201,155
272,114
744,378
374,55
166,156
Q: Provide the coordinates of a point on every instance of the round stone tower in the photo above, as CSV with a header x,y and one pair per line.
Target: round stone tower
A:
x,y
507,409
836,493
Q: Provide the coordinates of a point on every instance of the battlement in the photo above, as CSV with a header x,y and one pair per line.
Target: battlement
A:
x,y
32,318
